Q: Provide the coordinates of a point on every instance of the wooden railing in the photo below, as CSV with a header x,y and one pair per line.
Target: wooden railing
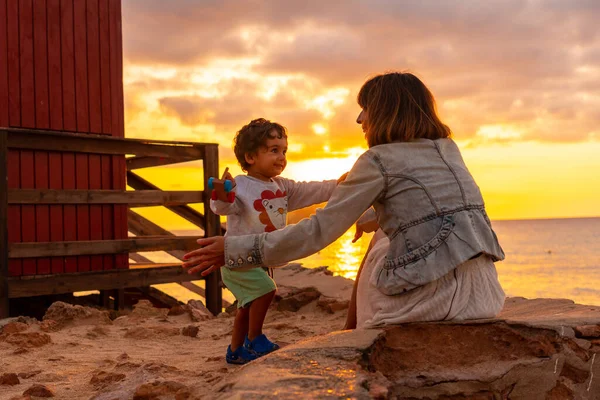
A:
x,y
149,236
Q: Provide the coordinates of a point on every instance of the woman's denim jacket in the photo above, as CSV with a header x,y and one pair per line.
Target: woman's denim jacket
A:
x,y
425,200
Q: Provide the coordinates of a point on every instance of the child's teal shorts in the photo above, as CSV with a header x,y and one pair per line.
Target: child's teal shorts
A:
x,y
247,285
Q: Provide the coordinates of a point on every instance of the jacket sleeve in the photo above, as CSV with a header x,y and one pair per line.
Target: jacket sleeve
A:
x,y
304,194
363,186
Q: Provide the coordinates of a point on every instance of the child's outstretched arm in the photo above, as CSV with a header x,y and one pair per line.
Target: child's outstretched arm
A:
x,y
304,194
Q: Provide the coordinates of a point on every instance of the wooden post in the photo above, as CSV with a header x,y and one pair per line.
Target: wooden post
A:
x,y
4,309
210,164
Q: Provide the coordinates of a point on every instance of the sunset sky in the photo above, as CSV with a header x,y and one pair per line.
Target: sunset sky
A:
x,y
518,82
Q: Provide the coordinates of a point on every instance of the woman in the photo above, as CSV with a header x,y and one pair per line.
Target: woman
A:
x,y
433,257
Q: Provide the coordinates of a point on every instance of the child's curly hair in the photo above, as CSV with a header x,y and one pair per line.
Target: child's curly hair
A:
x,y
254,135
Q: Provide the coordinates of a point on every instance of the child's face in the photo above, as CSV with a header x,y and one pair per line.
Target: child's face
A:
x,y
269,161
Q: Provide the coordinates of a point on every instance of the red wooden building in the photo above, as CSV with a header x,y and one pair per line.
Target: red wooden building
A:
x,y
61,70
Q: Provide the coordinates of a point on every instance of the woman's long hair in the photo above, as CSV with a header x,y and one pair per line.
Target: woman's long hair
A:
x,y
399,108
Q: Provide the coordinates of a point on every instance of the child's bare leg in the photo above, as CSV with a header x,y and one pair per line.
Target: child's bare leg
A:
x,y
258,312
240,327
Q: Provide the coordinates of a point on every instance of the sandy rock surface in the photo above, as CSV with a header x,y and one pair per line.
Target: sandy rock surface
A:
x,y
149,353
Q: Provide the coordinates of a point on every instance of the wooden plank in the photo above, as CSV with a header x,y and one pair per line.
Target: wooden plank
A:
x,y
69,111
138,258
83,211
157,296
4,296
99,144
4,107
93,66
55,107
108,214
68,66
104,37
42,121
95,182
28,224
117,120
42,212
69,212
10,110
54,66
96,280
141,226
214,292
57,264
88,247
138,198
117,123
82,105
40,52
145,162
14,71
108,211
26,63
138,183
15,267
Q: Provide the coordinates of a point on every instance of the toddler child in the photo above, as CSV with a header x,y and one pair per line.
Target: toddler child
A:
x,y
262,200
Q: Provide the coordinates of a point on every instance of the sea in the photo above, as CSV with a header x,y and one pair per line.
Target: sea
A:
x,y
545,258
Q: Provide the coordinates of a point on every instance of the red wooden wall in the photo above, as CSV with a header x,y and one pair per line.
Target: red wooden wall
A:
x,y
61,69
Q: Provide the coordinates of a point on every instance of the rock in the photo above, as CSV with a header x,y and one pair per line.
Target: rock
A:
x,y
27,375
141,332
9,379
21,350
96,332
587,331
68,314
321,270
50,325
39,391
29,339
102,379
144,309
176,310
158,389
190,330
14,327
197,311
295,299
485,359
331,305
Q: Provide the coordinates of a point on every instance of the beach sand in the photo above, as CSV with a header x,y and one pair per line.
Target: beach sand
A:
x,y
80,353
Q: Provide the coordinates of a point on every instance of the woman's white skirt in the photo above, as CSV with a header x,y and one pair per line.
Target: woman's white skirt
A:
x,y
470,291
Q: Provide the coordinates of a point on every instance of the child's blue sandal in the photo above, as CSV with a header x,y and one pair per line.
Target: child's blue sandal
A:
x,y
260,345
241,355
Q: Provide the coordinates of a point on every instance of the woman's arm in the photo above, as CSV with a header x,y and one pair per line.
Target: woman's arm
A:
x,y
363,186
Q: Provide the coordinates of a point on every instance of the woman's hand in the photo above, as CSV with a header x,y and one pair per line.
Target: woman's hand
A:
x,y
342,178
209,257
361,227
